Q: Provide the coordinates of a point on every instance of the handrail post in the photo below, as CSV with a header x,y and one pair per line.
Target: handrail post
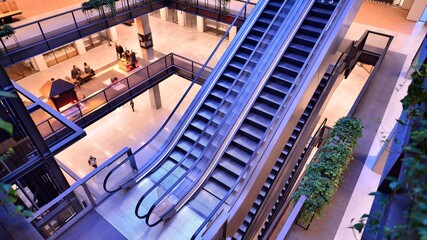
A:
x,y
292,217
89,194
75,23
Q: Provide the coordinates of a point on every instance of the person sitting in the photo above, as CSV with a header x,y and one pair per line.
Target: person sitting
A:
x,y
87,69
76,72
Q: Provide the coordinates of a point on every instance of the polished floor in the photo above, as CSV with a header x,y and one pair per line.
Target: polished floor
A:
x,y
126,128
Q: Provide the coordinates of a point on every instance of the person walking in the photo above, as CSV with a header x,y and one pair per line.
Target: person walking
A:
x,y
119,51
92,161
132,105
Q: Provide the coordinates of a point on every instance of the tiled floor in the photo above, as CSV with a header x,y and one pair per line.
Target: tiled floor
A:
x,y
134,128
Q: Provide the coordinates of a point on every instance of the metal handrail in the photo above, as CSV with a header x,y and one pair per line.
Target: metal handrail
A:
x,y
284,197
239,179
284,105
336,70
221,126
189,170
174,110
260,42
82,115
126,7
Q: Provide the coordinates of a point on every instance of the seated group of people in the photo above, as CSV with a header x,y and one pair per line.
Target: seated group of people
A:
x,y
77,74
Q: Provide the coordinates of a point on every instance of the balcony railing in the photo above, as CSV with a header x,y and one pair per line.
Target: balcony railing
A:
x,y
48,33
83,196
106,100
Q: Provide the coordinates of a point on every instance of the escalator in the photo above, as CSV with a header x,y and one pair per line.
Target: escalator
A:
x,y
240,234
237,157
214,109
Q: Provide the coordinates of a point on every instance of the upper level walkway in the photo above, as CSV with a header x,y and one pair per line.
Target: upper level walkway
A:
x,y
49,32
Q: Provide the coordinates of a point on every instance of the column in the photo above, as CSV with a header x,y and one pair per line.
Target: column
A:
x,y
164,14
155,100
416,10
112,34
181,18
201,25
80,46
144,36
232,33
40,62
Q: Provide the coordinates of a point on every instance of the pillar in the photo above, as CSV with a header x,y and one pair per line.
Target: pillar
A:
x,y
40,62
112,34
143,29
181,18
201,25
164,14
407,4
232,33
155,100
416,10
80,46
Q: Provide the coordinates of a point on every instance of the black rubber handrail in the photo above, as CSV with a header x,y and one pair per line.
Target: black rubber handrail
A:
x,y
285,100
172,113
190,170
193,146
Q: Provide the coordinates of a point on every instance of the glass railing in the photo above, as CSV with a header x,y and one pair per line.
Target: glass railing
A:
x,y
187,181
57,216
75,20
47,34
114,95
214,9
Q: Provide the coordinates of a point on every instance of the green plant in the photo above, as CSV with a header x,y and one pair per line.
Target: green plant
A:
x,y
98,4
224,5
6,31
415,166
324,174
8,195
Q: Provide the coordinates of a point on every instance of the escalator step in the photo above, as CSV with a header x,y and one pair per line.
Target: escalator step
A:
x,y
295,59
212,103
245,142
238,154
316,21
251,130
321,12
243,53
279,86
300,49
265,109
184,145
192,134
223,178
232,166
272,100
305,39
215,189
258,120
310,30
287,77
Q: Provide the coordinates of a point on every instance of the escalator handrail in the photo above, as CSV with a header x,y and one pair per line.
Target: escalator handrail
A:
x,y
298,78
337,69
305,156
189,170
158,182
285,100
175,108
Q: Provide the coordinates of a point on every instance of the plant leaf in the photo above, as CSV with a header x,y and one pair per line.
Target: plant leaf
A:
x,y
8,127
7,94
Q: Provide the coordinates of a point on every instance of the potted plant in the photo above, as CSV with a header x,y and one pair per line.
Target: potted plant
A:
x,y
224,6
98,5
86,6
6,31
